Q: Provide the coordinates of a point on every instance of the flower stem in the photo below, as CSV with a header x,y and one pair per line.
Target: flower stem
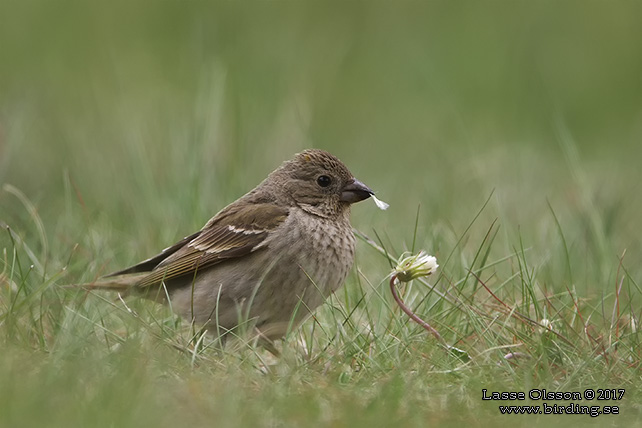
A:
x,y
410,313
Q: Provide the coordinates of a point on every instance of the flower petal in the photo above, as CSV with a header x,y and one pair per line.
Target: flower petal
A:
x,y
380,204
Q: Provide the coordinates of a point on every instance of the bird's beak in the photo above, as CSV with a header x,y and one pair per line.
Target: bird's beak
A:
x,y
355,191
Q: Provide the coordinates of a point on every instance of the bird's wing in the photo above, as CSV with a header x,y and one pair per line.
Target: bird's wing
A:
x,y
149,264
234,232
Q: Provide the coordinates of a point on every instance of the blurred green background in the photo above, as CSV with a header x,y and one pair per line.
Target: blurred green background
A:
x,y
138,121
126,125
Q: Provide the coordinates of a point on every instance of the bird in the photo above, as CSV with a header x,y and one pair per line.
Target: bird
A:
x,y
270,258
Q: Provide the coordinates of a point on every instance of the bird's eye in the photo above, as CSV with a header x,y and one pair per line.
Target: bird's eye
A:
x,y
324,181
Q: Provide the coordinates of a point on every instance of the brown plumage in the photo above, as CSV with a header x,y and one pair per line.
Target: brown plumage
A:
x,y
272,256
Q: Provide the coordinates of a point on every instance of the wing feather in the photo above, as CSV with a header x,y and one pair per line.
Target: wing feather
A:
x,y
234,232
149,264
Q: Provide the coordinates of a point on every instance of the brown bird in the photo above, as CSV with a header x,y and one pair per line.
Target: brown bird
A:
x,y
271,257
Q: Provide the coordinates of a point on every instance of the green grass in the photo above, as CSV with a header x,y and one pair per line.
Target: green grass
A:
x,y
505,136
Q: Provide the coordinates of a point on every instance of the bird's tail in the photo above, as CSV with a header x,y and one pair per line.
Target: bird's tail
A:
x,y
122,284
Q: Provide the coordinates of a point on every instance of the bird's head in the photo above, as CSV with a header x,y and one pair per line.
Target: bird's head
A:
x,y
319,183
